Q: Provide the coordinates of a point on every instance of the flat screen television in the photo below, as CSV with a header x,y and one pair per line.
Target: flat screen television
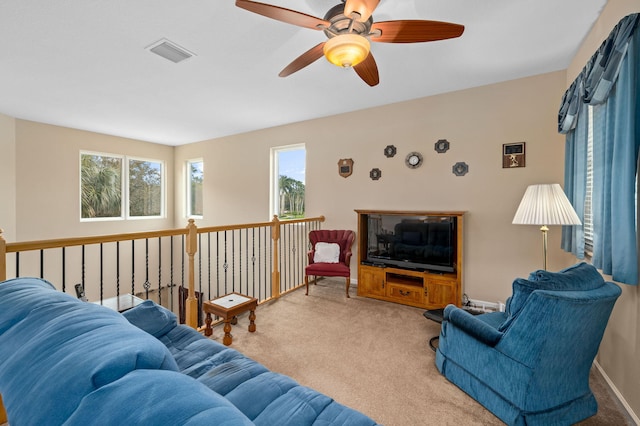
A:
x,y
412,242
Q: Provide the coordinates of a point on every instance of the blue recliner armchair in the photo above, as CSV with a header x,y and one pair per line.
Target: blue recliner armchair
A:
x,y
530,364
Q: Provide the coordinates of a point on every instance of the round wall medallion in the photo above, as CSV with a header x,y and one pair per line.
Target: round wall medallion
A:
x,y
390,151
413,160
375,174
442,146
460,168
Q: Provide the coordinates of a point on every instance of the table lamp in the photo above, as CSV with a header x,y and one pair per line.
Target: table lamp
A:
x,y
545,205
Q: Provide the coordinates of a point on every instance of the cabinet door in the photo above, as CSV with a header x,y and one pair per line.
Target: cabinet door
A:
x,y
370,281
439,293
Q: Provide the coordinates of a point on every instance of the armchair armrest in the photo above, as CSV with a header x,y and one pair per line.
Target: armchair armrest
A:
x,y
471,325
310,254
347,257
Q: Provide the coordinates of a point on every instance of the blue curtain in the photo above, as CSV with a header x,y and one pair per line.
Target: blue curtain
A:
x,y
594,83
609,82
617,128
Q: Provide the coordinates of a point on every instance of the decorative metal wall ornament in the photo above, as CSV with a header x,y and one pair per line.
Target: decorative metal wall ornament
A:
x,y
375,174
441,146
460,168
390,151
413,160
345,167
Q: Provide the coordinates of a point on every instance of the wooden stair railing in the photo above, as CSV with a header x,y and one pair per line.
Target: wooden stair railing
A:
x,y
191,231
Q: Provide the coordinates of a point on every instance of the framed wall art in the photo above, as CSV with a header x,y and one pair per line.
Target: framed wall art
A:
x,y
345,167
513,155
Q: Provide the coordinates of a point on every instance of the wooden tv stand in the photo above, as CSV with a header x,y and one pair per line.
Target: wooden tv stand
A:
x,y
423,289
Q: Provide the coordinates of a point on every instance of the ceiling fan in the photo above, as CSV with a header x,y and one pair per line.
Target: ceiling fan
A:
x,y
349,27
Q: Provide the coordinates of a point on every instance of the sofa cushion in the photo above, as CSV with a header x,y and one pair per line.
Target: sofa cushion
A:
x,y
580,276
326,253
161,398
152,318
53,344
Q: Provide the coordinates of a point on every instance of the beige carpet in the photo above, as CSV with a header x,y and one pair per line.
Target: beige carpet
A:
x,y
373,356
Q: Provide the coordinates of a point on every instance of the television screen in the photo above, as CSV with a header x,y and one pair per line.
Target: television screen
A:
x,y
413,242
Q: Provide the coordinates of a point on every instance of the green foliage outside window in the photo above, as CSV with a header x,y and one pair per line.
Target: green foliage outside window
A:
x,y
145,188
102,192
291,198
196,178
101,181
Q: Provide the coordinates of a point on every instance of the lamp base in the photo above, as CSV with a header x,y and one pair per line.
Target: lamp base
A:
x,y
544,229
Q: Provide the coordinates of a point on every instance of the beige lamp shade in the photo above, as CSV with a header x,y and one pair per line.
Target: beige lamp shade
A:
x,y
545,205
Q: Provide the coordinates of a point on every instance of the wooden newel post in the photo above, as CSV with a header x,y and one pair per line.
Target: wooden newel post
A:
x,y
3,257
275,275
192,301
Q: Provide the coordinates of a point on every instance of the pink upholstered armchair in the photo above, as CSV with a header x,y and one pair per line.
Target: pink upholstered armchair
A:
x,y
330,255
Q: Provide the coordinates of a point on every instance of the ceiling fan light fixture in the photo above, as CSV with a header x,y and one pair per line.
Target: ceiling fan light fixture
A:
x,y
364,8
346,50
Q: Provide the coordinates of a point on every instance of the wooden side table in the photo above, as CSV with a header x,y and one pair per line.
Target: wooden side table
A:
x,y
228,307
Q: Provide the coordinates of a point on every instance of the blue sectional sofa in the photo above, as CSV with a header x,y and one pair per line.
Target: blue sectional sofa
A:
x,y
64,361
530,365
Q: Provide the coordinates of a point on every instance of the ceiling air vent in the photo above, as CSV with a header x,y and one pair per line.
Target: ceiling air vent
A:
x,y
170,51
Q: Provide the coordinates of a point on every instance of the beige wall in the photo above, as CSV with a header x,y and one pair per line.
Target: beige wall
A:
x,y
620,349
476,122
48,181
8,176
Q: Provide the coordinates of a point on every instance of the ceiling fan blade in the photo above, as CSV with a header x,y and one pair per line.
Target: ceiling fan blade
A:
x,y
368,70
307,58
281,14
415,31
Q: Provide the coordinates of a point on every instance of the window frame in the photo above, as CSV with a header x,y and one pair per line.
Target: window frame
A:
x,y
188,194
163,188
124,186
274,175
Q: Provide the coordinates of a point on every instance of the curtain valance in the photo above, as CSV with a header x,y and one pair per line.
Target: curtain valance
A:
x,y
594,82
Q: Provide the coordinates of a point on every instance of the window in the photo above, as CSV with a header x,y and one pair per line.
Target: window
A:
x,y
101,186
288,181
195,178
109,191
145,188
588,214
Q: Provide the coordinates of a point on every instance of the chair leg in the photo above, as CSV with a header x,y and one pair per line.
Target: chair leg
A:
x,y
306,284
348,284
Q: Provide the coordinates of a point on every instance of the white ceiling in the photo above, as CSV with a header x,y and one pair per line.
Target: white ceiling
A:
x,y
83,63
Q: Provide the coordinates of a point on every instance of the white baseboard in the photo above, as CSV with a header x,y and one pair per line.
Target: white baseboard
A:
x,y
615,390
